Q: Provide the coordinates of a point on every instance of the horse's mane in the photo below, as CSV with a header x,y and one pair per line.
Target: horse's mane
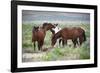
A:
x,y
44,25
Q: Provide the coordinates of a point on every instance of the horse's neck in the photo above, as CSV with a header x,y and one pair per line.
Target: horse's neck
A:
x,y
57,30
44,30
52,31
57,35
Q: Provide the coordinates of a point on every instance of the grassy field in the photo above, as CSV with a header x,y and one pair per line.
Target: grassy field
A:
x,y
58,53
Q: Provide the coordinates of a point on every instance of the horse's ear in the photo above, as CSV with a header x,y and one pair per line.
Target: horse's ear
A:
x,y
37,27
33,26
56,24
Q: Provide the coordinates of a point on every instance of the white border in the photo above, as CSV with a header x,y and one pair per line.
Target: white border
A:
x,y
53,63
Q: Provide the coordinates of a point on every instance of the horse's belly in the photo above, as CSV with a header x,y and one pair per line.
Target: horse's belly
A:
x,y
68,37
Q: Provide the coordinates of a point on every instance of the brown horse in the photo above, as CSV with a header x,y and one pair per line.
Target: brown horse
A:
x,y
55,30
70,33
82,37
38,34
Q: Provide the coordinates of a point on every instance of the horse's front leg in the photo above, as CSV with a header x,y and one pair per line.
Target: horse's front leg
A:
x,y
34,45
60,42
40,44
81,40
64,42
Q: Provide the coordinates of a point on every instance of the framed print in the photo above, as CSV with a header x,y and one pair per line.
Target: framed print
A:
x,y
51,36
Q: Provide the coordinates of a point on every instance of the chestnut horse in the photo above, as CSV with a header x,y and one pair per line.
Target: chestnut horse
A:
x,y
70,33
38,34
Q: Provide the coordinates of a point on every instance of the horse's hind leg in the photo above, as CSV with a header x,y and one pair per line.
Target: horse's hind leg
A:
x,y
40,44
77,41
64,41
80,40
74,42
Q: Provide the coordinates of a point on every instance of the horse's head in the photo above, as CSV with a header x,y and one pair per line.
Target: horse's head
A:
x,y
55,25
56,29
48,26
35,28
44,25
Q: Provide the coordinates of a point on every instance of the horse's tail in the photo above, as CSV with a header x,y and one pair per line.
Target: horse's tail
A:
x,y
84,36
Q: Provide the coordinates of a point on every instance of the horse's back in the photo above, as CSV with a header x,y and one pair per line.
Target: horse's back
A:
x,y
69,33
69,30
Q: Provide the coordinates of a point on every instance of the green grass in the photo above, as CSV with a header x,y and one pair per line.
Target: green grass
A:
x,y
68,53
58,53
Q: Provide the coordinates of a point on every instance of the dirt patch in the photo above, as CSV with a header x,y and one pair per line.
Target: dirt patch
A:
x,y
32,57
29,55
